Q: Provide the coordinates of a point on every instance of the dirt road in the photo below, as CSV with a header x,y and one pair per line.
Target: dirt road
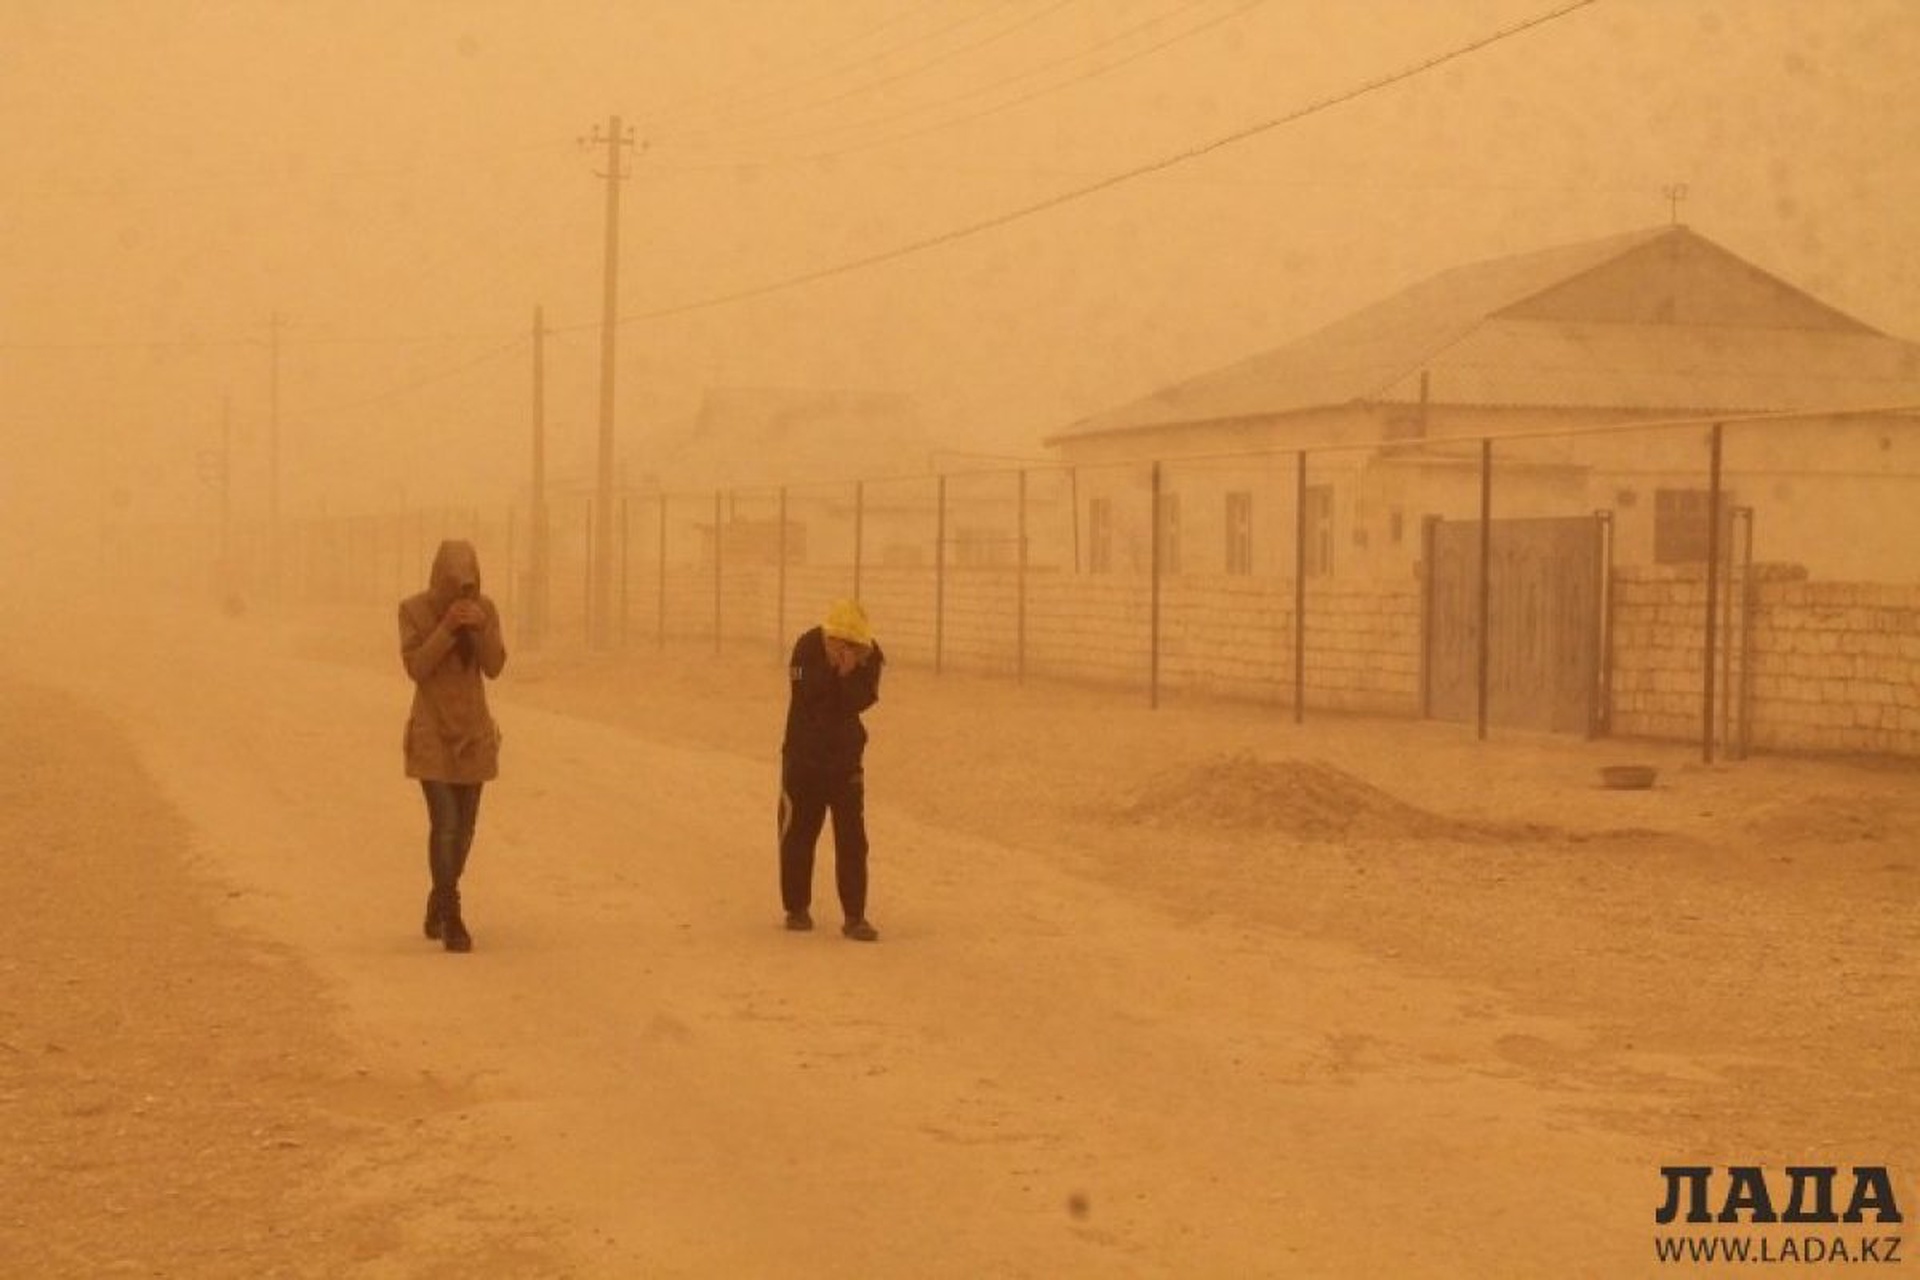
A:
x,y
1176,993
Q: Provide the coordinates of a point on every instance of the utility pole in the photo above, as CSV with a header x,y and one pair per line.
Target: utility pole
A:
x,y
216,472
226,500
599,607
536,610
273,460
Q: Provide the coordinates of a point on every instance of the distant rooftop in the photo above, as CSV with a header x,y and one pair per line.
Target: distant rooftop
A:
x,y
782,435
1658,319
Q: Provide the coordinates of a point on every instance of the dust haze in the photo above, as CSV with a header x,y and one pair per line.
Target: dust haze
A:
x,y
1193,987
404,187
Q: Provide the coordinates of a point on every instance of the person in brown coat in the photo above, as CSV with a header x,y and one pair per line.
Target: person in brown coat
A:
x,y
449,640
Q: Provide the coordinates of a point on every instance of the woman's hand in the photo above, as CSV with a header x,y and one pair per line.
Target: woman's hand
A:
x,y
463,614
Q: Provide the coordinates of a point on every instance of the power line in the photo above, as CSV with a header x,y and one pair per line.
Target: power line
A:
x,y
979,90
213,344
1025,20
874,259
255,180
830,73
1104,184
537,200
424,380
135,344
389,340
1370,183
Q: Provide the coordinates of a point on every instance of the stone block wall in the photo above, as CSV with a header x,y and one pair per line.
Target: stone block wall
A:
x,y
1812,666
1802,665
1219,635
1658,648
1836,667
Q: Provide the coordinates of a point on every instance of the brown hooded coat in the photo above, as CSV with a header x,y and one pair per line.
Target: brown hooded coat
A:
x,y
450,736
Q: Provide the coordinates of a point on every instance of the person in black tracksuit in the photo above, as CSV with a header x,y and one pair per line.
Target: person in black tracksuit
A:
x,y
834,675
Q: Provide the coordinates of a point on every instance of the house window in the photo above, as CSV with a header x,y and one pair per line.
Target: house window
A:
x,y
1240,532
1680,524
1169,533
1319,529
1099,535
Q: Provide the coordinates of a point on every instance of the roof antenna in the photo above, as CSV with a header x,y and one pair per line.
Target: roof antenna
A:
x,y
1675,192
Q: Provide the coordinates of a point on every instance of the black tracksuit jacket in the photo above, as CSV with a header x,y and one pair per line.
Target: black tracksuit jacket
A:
x,y
824,733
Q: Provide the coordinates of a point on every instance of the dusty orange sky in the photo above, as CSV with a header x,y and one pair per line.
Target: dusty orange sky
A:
x,y
404,184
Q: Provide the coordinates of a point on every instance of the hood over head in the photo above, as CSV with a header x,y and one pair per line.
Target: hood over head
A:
x,y
456,570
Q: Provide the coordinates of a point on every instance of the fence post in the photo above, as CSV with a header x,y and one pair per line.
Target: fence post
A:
x,y
539,561
513,576
859,530
939,571
780,581
1748,589
1713,589
1727,663
1153,589
1073,502
1020,588
1486,587
1600,673
626,549
1429,539
1300,586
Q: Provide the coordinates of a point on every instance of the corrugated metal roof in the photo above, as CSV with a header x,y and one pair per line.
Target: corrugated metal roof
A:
x,y
1452,327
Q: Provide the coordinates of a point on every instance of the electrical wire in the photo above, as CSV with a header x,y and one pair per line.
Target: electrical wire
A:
x,y
254,181
900,251
993,37
667,117
287,340
407,388
1105,184
977,91
135,344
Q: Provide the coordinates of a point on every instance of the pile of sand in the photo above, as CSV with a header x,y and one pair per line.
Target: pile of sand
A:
x,y
1304,799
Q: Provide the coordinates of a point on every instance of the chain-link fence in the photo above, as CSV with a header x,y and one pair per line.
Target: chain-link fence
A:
x,y
1561,578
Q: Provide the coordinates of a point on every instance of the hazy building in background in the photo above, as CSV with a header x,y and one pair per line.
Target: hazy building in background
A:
x,y
1654,326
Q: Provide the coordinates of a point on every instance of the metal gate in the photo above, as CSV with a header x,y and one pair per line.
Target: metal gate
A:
x,y
1545,614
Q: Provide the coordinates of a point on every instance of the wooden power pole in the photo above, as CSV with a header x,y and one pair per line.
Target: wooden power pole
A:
x,y
600,605
536,605
273,460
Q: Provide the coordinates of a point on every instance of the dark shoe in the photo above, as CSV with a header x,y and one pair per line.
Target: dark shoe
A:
x,y
799,921
454,935
860,931
432,926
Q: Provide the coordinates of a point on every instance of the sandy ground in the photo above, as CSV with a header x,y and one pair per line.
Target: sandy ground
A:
x,y
1181,992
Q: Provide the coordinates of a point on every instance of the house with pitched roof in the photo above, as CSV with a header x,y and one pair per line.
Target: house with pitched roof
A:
x,y
752,445
1660,329
760,436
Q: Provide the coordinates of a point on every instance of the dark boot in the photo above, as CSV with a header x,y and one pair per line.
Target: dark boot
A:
x,y
434,911
453,930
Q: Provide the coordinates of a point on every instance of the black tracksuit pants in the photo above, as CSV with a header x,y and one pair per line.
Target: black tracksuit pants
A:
x,y
807,797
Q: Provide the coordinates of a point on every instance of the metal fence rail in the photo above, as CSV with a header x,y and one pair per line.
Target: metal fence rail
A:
x,y
1725,552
